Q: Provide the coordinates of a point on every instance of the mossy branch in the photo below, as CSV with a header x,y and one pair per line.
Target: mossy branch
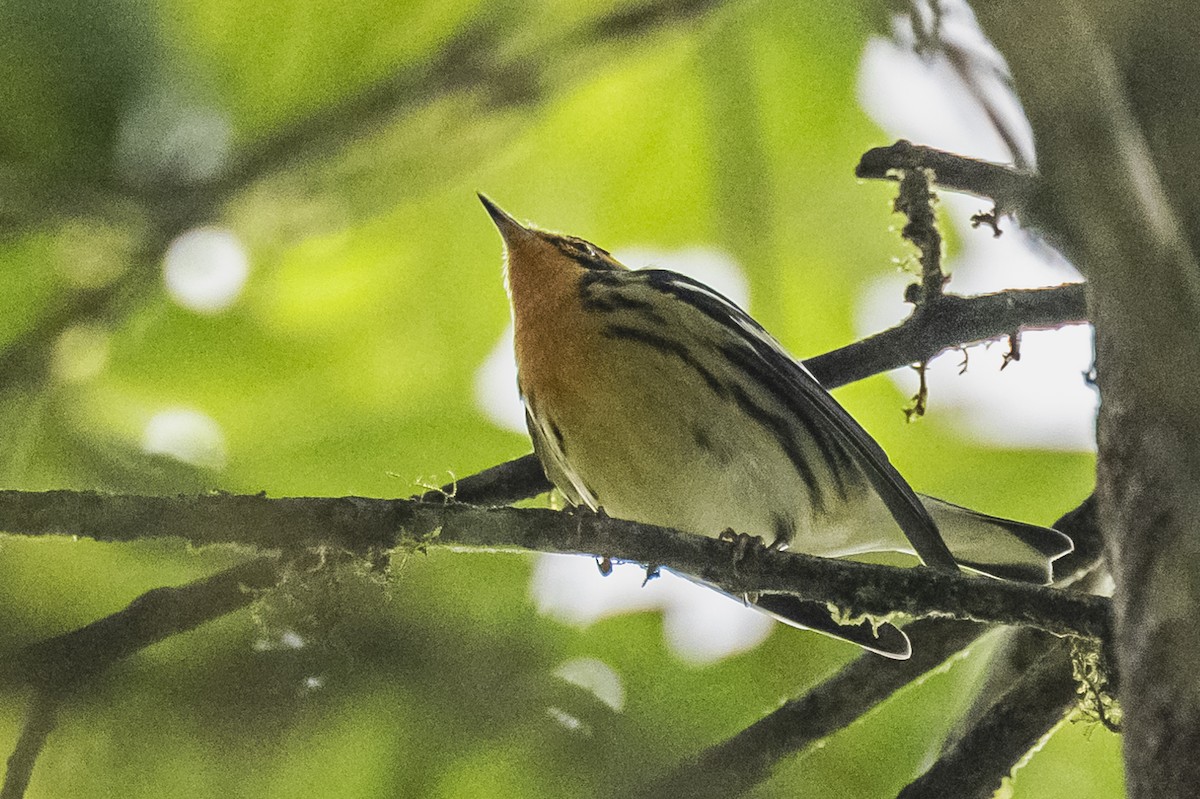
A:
x,y
363,525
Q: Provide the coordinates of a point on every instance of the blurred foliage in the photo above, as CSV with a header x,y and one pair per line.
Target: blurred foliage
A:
x,y
343,143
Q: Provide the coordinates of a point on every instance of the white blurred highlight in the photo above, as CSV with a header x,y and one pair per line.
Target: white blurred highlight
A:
x,y
496,386
596,677
291,640
926,99
186,435
288,639
165,138
567,721
700,625
205,270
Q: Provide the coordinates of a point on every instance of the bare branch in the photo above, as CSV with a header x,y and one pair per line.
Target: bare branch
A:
x,y
58,664
1008,187
950,321
978,763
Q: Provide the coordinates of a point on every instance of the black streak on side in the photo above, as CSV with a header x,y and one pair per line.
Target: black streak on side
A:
x,y
610,279
558,438
784,529
601,291
839,460
669,346
841,464
613,301
779,427
715,450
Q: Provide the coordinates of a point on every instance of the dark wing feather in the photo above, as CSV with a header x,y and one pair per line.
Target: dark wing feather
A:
x,y
883,639
809,400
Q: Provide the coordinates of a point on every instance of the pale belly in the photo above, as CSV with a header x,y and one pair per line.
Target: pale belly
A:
x,y
652,441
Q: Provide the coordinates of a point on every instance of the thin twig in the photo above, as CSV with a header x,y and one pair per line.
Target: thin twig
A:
x,y
739,763
920,400
39,723
59,663
1009,188
956,320
916,201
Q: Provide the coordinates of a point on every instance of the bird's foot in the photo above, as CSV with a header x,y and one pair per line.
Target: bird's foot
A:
x,y
652,573
744,545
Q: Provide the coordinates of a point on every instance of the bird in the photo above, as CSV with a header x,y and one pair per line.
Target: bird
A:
x,y
651,397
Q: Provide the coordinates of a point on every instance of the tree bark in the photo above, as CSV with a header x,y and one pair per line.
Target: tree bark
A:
x,y
1110,92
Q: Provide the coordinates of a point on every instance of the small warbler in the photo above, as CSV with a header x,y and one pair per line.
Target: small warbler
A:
x,y
653,397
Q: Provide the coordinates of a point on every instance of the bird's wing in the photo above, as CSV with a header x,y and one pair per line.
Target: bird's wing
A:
x,y
766,362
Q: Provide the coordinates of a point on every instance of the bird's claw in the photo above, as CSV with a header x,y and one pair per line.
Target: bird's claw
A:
x,y
745,545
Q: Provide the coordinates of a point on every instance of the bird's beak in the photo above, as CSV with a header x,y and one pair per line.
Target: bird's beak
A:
x,y
510,229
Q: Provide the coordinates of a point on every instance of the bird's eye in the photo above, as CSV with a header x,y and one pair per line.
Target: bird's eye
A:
x,y
583,248
591,250
586,253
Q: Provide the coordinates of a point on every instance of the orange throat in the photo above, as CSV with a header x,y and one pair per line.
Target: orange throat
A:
x,y
551,328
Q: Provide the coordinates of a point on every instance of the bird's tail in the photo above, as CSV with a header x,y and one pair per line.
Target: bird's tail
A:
x,y
882,638
998,547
